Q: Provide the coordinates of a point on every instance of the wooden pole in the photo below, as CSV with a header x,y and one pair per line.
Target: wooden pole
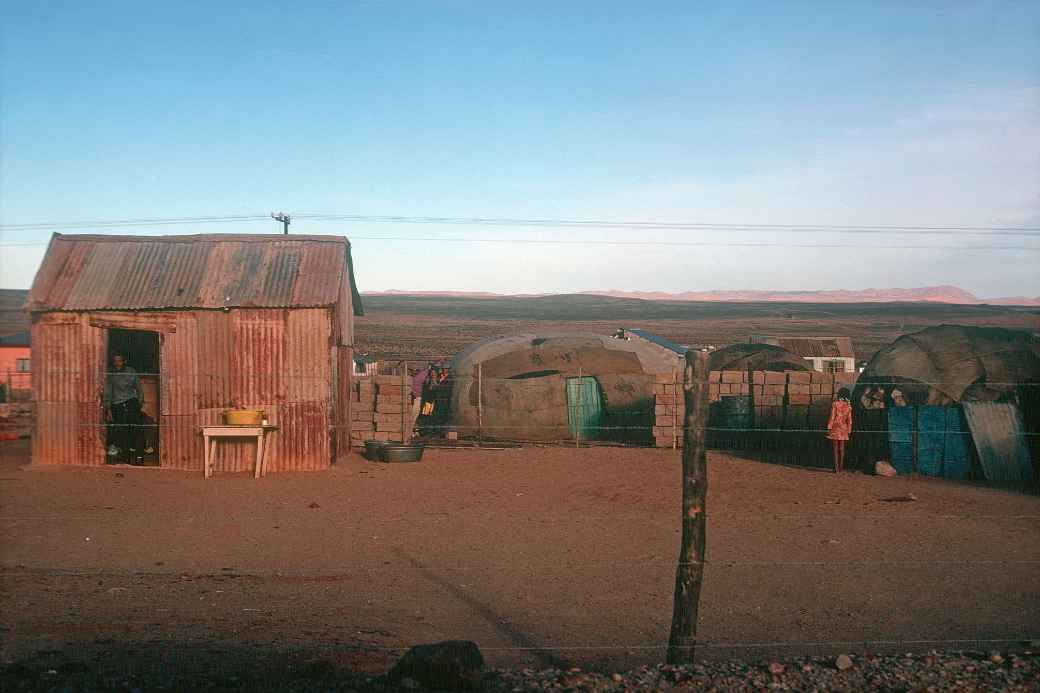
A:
x,y
689,574
406,435
480,403
675,411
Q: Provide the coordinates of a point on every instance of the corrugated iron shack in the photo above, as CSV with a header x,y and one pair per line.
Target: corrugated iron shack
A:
x,y
214,322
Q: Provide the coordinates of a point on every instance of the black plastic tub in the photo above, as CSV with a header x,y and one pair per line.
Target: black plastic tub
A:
x,y
398,452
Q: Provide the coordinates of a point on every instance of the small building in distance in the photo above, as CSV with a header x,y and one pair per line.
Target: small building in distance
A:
x,y
15,366
826,354
210,322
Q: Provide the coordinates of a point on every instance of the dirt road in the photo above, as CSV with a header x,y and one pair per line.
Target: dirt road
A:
x,y
542,556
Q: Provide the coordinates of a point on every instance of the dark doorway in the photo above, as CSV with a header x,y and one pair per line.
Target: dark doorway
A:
x,y
140,350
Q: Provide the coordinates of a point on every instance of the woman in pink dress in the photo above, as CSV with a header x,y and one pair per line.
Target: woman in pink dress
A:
x,y
840,426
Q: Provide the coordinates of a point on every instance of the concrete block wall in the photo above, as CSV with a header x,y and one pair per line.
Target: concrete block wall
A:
x,y
380,409
788,400
669,410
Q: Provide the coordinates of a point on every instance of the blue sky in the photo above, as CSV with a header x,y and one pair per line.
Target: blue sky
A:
x,y
795,113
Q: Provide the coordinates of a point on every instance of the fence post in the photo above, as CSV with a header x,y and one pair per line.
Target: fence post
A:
x,y
689,573
480,403
675,410
406,435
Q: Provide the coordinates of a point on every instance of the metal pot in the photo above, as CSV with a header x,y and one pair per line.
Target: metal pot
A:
x,y
397,452
373,449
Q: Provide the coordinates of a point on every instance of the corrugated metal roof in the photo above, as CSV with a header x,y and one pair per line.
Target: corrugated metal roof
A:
x,y
94,272
659,341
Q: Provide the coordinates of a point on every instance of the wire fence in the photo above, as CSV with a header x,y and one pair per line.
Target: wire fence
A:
x,y
572,428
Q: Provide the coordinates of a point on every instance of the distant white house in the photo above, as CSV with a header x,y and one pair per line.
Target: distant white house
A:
x,y
827,354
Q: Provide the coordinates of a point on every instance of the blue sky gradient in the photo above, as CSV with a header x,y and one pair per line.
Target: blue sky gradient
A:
x,y
807,113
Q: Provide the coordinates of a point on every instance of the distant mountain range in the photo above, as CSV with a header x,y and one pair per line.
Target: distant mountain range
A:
x,y
923,294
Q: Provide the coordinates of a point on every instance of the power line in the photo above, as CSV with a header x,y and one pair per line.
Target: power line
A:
x,y
656,243
684,226
551,223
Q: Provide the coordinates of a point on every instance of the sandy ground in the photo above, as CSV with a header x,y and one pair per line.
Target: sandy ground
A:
x,y
544,557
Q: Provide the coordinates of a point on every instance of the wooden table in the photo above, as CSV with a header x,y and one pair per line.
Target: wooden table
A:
x,y
211,434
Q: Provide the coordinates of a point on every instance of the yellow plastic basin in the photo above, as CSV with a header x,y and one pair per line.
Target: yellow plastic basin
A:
x,y
243,417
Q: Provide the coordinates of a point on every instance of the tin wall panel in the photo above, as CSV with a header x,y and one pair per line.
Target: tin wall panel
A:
x,y
180,444
302,440
216,330
256,374
307,365
344,357
304,426
257,360
55,433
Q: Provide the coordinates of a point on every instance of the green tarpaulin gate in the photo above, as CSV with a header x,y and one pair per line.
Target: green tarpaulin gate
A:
x,y
584,408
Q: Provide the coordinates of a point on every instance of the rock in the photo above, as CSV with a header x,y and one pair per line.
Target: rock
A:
x,y
843,662
883,468
776,668
451,665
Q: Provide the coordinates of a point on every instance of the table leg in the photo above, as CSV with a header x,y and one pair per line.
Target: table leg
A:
x,y
205,457
259,471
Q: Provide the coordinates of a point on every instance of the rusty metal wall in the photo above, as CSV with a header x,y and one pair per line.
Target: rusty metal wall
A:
x,y
303,439
180,445
341,379
277,360
67,362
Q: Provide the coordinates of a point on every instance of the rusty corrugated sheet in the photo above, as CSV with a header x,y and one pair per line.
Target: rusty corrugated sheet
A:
x,y
278,360
1000,440
214,271
180,444
305,414
67,361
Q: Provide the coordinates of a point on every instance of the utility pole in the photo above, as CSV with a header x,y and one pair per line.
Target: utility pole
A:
x,y
284,218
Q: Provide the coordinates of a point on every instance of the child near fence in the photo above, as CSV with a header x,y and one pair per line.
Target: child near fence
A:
x,y
839,426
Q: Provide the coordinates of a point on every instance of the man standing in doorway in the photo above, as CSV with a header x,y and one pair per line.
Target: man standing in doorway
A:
x,y
122,400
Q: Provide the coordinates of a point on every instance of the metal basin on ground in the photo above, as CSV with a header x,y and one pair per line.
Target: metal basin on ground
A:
x,y
396,452
373,449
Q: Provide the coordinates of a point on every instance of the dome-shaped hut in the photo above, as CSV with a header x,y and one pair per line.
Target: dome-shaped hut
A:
x,y
746,356
911,396
551,387
949,364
